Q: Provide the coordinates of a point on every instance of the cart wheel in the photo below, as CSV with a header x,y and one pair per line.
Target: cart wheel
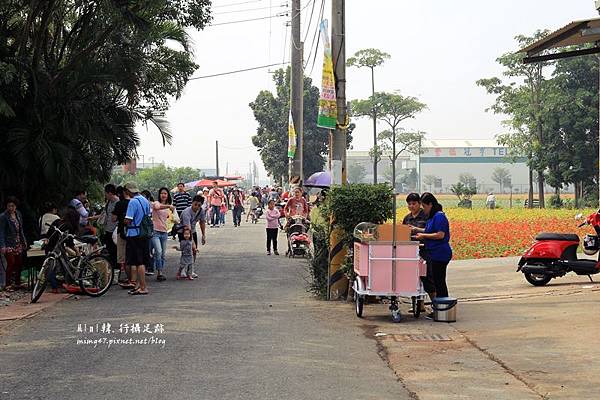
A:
x,y
417,311
417,304
360,302
396,316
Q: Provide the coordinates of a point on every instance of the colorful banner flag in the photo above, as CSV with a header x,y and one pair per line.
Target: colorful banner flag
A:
x,y
327,102
291,137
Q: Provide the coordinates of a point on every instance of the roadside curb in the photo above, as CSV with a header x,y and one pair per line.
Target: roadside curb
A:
x,y
23,308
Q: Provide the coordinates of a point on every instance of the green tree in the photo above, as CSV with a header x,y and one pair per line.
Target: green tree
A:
x,y
429,180
153,179
467,179
356,173
525,100
574,121
371,58
464,194
77,77
501,176
376,153
410,179
393,109
387,174
271,112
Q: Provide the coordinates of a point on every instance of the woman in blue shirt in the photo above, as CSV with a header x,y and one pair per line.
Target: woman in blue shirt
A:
x,y
436,236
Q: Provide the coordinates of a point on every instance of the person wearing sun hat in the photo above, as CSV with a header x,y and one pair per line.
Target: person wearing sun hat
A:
x,y
138,247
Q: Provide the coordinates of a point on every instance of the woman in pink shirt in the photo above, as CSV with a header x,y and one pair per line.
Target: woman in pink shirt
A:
x,y
272,215
160,213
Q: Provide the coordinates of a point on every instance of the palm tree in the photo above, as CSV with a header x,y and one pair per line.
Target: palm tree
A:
x,y
76,81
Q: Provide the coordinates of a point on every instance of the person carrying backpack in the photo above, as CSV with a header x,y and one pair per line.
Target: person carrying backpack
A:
x,y
140,229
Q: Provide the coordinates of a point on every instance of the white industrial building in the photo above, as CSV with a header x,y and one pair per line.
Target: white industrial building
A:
x,y
441,162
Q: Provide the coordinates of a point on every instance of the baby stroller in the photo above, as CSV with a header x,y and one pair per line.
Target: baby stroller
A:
x,y
297,235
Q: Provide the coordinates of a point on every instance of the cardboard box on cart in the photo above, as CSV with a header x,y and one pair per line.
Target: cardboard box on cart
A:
x,y
379,270
384,234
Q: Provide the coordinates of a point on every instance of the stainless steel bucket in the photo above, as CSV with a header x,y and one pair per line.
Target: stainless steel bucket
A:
x,y
444,309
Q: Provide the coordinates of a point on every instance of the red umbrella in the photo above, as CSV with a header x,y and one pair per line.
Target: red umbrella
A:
x,y
209,182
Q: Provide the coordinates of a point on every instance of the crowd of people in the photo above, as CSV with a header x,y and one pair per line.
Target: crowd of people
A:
x,y
135,227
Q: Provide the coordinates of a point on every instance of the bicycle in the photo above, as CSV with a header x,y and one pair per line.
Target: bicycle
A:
x,y
92,271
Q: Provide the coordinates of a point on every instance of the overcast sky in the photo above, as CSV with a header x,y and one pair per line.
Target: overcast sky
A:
x,y
439,49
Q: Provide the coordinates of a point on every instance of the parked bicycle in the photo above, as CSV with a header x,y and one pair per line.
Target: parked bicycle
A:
x,y
92,271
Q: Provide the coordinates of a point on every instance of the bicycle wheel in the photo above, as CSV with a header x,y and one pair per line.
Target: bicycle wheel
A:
x,y
95,275
41,279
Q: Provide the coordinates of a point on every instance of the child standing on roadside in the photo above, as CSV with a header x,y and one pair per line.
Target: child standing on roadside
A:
x,y
272,227
188,250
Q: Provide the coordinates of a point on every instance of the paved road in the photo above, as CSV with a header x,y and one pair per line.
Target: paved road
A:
x,y
246,329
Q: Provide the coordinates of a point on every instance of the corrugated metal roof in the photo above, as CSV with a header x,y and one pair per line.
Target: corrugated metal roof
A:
x,y
575,33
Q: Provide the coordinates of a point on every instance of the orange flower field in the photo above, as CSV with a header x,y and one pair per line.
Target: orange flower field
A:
x,y
482,233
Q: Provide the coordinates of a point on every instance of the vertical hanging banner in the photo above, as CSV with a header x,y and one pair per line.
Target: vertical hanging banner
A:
x,y
327,102
291,137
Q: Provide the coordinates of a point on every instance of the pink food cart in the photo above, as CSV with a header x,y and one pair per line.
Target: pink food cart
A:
x,y
386,273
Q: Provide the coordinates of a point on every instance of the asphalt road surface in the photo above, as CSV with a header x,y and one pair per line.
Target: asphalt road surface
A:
x,y
246,329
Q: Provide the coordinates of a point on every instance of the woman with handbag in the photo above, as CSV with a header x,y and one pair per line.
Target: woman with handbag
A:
x,y
161,210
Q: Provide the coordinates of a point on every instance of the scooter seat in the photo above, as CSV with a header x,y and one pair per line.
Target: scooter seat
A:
x,y
569,237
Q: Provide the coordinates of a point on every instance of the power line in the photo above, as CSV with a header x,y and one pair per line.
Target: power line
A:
x,y
249,9
297,15
315,35
318,36
236,4
310,20
284,14
236,71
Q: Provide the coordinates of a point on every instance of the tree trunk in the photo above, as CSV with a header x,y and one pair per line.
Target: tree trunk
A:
x,y
541,188
530,198
375,160
576,184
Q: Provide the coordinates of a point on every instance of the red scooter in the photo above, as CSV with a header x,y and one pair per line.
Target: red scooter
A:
x,y
555,254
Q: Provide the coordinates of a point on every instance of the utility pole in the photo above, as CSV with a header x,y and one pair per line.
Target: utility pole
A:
x,y
297,91
338,51
337,282
255,172
250,174
217,158
597,4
